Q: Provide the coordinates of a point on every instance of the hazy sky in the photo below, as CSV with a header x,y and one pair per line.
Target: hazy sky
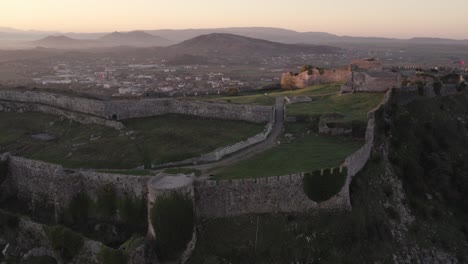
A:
x,y
395,18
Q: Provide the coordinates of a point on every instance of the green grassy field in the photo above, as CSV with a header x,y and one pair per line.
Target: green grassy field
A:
x,y
155,139
351,106
268,97
305,154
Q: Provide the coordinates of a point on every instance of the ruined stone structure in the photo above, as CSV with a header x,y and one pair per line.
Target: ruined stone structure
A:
x,y
95,110
315,77
372,81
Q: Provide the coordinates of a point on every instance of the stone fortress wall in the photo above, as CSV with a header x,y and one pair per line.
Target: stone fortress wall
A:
x,y
10,106
44,185
283,194
212,198
119,110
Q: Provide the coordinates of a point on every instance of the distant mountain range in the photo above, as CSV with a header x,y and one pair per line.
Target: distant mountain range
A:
x,y
166,37
215,48
133,38
223,47
239,45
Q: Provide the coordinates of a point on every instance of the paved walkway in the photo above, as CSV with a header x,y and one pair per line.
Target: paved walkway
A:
x,y
251,151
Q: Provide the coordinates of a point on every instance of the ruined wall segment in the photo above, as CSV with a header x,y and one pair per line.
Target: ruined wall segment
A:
x,y
372,82
155,107
284,194
9,106
124,109
315,77
39,184
76,104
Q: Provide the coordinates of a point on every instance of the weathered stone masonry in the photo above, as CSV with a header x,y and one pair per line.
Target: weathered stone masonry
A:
x,y
43,184
252,196
118,110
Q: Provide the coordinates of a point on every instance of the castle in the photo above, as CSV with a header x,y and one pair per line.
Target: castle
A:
x,y
51,191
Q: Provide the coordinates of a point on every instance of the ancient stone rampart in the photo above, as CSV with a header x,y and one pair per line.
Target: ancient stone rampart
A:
x,y
279,194
41,184
76,104
409,94
124,109
263,195
155,107
9,106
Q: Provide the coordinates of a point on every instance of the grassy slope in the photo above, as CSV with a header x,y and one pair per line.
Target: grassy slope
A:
x,y
352,106
161,139
304,154
269,98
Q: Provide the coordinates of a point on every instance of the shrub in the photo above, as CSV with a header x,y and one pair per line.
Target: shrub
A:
x,y
393,214
133,210
421,90
3,170
112,256
106,204
232,91
173,221
8,220
39,260
461,87
80,208
437,88
64,240
308,68
134,242
320,188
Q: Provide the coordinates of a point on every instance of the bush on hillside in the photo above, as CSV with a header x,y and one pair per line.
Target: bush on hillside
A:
x,y
320,188
112,256
64,240
173,221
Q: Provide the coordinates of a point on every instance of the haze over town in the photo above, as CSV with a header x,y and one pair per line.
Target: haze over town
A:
x,y
396,19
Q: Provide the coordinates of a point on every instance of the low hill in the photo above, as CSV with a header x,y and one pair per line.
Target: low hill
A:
x,y
64,42
133,38
225,45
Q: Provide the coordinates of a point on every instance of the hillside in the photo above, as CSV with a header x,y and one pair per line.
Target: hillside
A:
x,y
225,45
409,203
61,42
133,38
172,36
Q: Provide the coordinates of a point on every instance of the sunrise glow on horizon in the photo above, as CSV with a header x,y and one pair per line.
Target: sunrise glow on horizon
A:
x,y
398,18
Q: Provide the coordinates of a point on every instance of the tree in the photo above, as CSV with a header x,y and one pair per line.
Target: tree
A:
x,y
308,68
